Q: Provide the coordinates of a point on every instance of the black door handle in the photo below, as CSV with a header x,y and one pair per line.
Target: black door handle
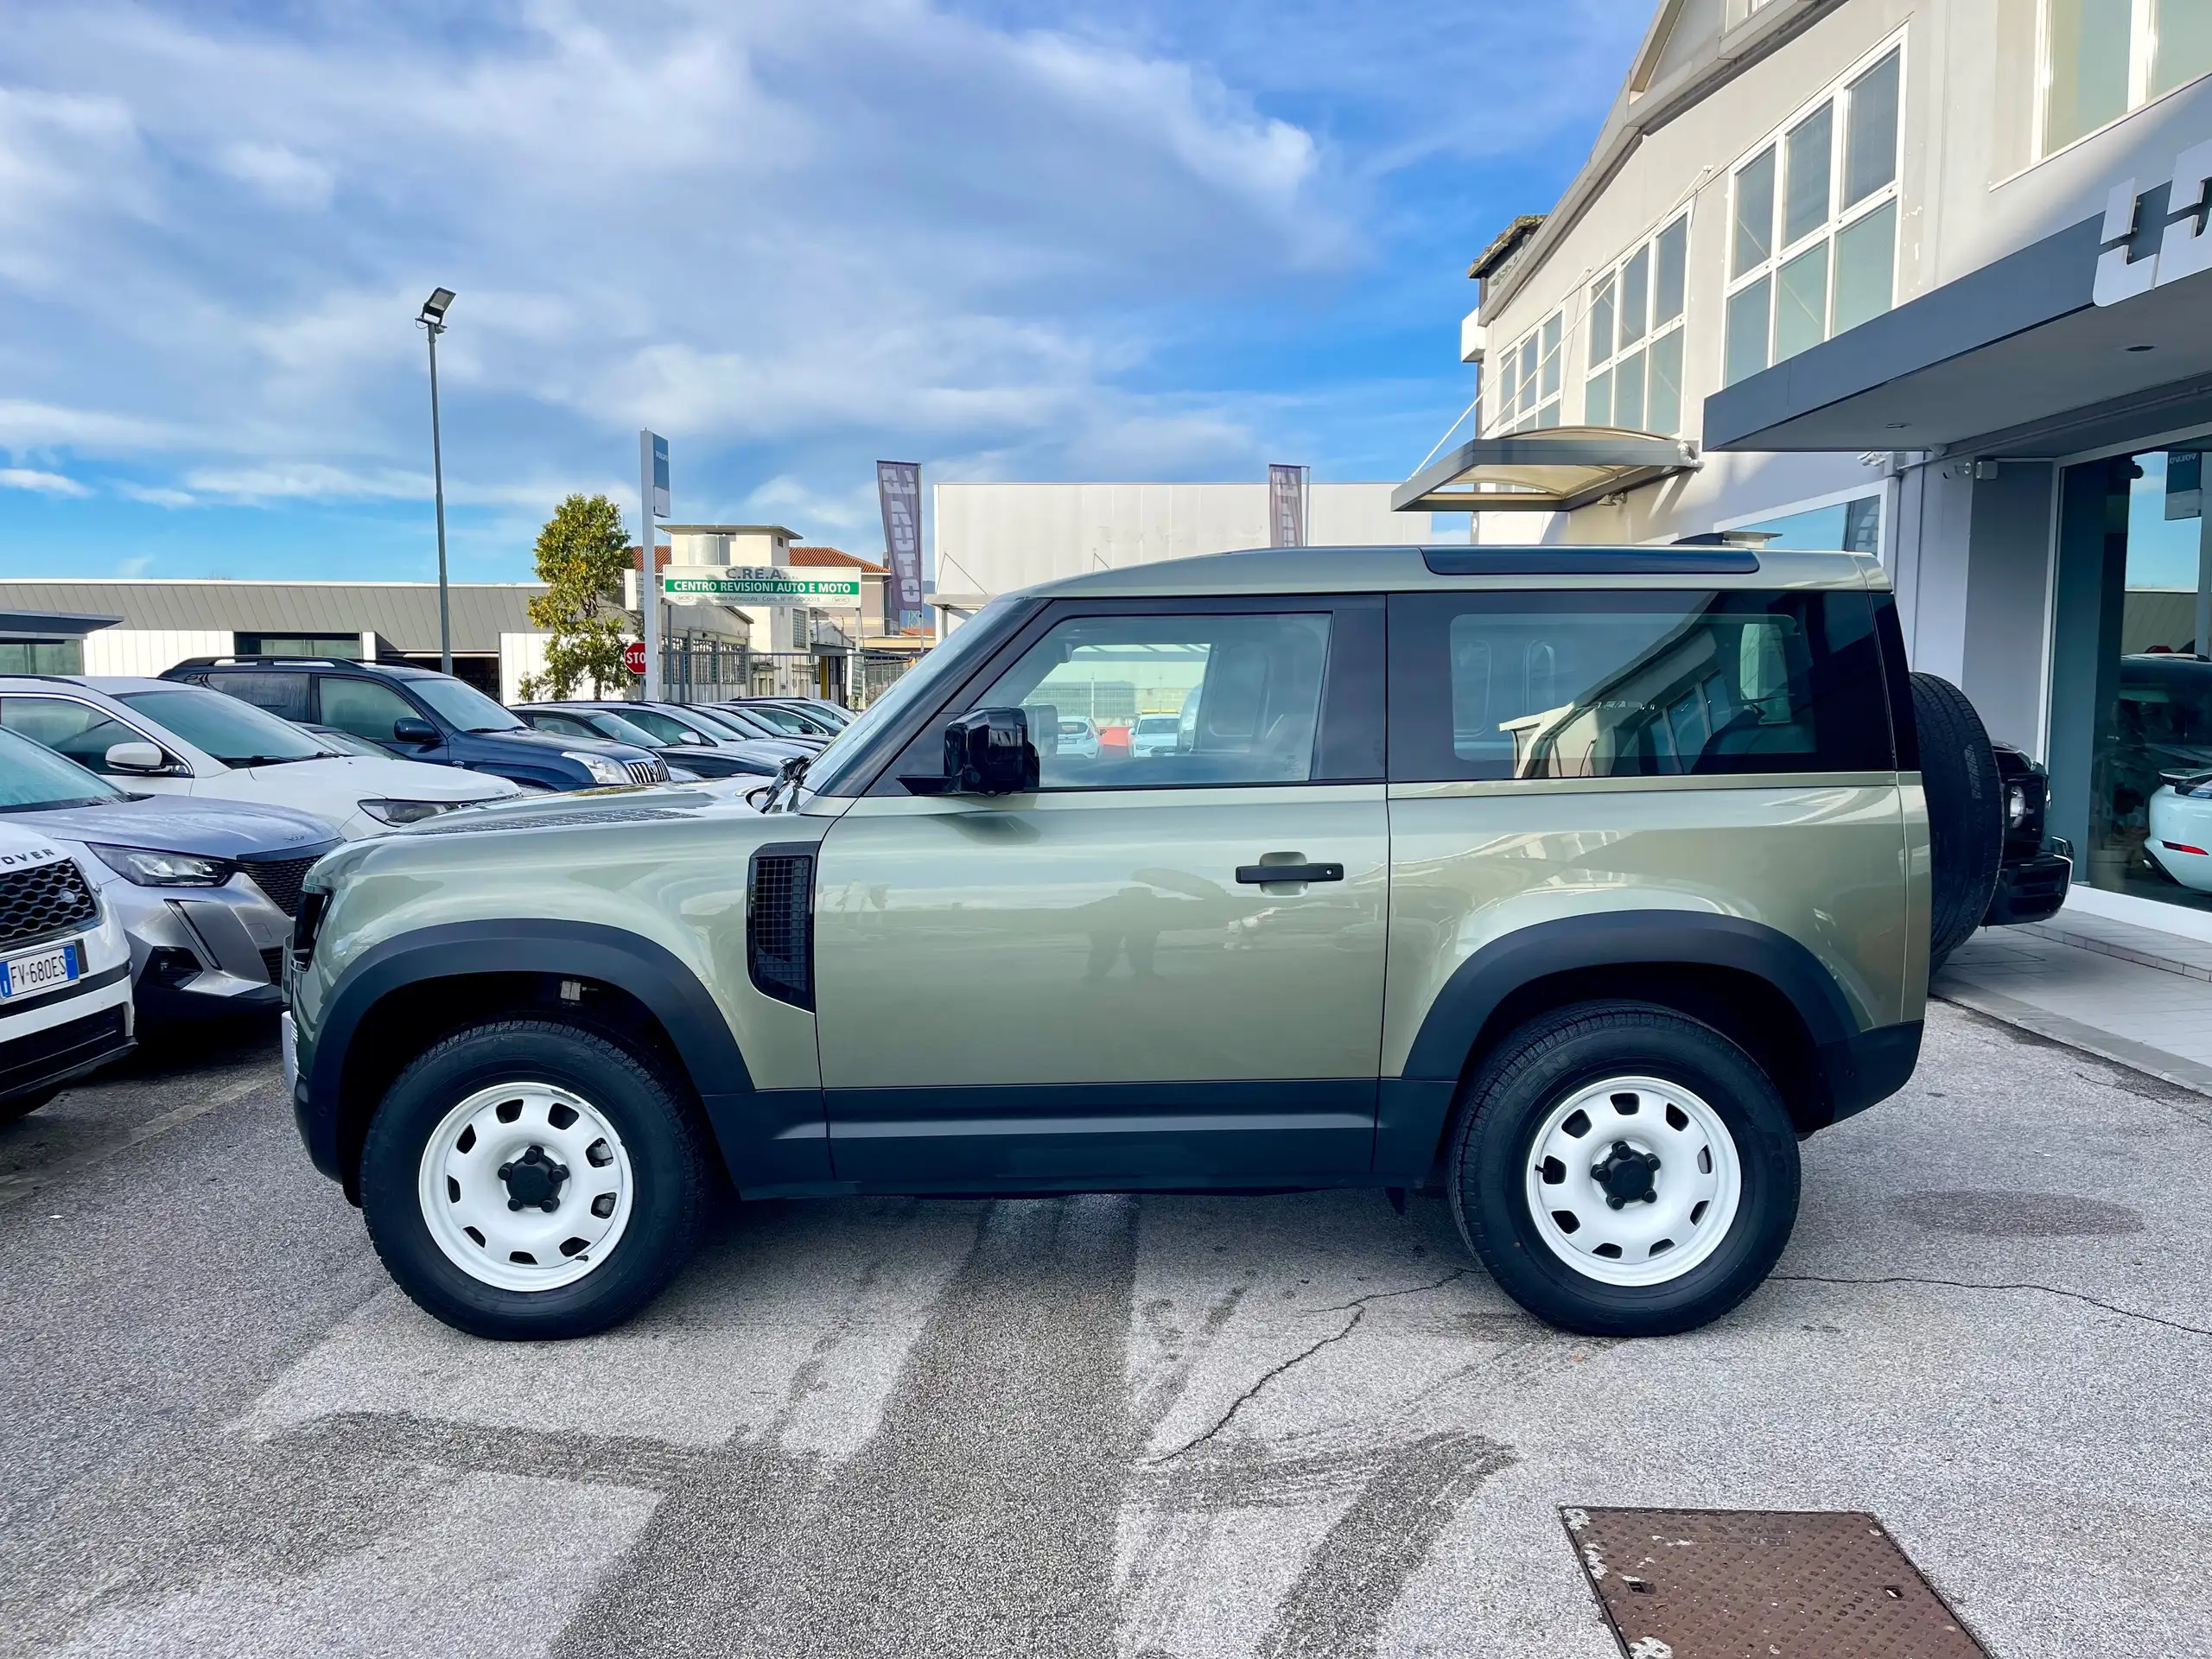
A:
x,y
1255,874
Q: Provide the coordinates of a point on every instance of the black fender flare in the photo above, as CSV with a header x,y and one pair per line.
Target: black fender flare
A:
x,y
1416,1104
669,990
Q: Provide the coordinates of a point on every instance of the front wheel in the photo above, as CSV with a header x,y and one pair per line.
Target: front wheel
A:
x,y
526,1178
1623,1170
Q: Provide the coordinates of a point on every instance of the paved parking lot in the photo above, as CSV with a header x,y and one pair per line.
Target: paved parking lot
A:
x,y
1289,1426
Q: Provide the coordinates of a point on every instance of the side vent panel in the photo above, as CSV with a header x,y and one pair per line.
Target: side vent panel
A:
x,y
780,924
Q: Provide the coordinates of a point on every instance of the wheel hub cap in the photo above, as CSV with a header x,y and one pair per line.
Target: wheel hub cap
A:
x,y
534,1180
1627,1176
1632,1180
526,1186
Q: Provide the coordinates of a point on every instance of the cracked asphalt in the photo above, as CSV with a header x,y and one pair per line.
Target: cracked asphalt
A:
x,y
1301,1425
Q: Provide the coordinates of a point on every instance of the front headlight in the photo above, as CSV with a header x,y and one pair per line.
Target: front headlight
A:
x,y
399,812
152,869
602,770
2015,806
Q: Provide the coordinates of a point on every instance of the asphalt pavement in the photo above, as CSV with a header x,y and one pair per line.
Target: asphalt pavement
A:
x,y
1301,1425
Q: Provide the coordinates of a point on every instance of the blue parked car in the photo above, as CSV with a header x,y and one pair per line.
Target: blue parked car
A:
x,y
419,714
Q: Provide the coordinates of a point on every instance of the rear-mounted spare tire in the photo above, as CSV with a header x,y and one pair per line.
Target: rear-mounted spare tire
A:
x,y
1966,812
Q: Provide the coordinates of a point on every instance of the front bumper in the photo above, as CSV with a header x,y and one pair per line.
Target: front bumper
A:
x,y
200,952
2030,891
73,1035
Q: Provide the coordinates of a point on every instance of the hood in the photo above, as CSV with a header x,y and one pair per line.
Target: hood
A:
x,y
177,824
396,779
617,804
559,741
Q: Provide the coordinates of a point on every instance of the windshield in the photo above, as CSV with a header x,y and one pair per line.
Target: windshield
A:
x,y
726,724
743,723
784,719
237,733
615,729
34,777
969,643
667,728
463,706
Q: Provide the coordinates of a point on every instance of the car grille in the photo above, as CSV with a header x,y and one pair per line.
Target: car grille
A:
x,y
647,771
280,877
50,898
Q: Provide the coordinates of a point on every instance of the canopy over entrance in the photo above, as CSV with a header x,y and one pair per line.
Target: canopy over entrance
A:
x,y
1555,470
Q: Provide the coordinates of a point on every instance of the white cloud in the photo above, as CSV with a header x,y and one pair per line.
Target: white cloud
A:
x,y
136,566
155,495
284,176
24,478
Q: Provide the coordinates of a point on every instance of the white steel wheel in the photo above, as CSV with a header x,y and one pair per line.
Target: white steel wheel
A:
x,y
1633,1180
525,1187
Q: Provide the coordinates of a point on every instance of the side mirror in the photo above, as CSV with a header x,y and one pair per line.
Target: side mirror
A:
x,y
989,753
136,757
411,730
687,736
985,753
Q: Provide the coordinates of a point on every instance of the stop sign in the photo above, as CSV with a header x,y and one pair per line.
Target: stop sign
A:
x,y
634,656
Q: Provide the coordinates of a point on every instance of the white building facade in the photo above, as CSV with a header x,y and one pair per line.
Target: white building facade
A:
x,y
1925,278
990,539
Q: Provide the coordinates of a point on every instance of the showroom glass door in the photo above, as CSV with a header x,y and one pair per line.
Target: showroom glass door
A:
x,y
2149,764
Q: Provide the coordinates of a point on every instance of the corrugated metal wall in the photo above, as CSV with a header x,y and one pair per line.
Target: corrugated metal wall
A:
x,y
406,613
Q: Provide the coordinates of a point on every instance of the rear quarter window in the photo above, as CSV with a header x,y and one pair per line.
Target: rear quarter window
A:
x,y
1528,685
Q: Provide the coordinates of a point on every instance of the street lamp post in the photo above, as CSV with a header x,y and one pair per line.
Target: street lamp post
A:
x,y
433,323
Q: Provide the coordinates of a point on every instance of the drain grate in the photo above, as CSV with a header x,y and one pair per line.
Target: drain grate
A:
x,y
1751,1584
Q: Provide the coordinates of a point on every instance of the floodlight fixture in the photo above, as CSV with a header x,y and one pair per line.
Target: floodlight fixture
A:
x,y
433,308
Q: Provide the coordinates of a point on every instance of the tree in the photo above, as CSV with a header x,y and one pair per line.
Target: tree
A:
x,y
581,554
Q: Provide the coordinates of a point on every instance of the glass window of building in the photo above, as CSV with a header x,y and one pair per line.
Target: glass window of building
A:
x,y
1814,247
2151,771
1635,377
1528,378
2100,59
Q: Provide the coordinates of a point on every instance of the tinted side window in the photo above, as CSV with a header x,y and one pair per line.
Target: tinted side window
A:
x,y
363,707
566,724
282,694
1245,689
82,733
1636,685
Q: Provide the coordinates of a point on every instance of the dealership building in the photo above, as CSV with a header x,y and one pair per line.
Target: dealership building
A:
x,y
1926,279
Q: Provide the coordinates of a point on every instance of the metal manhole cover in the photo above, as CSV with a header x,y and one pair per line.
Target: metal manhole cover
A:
x,y
1753,1583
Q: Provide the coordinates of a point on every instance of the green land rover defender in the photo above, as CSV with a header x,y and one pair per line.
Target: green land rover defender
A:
x,y
1578,885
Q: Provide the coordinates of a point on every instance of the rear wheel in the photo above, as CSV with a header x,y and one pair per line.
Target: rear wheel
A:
x,y
1623,1170
526,1178
1966,812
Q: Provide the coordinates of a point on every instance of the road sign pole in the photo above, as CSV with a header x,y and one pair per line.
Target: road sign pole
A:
x,y
648,572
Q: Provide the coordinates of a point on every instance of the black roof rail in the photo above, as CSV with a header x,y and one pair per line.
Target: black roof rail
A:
x,y
1590,562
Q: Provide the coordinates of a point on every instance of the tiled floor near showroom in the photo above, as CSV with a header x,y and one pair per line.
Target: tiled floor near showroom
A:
x,y
2132,994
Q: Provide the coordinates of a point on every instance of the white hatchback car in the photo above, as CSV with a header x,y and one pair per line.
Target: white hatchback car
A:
x,y
162,738
65,974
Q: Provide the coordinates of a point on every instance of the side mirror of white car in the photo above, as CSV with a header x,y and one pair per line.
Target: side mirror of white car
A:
x,y
136,757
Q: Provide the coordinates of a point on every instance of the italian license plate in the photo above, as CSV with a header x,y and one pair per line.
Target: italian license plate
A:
x,y
26,976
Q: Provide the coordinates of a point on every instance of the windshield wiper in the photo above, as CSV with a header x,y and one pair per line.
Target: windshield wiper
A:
x,y
268,760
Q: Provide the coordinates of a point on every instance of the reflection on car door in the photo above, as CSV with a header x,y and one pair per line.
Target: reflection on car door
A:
x,y
1095,981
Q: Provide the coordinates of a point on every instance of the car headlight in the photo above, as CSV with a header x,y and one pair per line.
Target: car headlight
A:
x,y
2015,806
152,869
398,812
602,770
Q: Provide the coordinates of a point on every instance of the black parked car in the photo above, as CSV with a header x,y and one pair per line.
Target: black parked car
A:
x,y
418,714
700,758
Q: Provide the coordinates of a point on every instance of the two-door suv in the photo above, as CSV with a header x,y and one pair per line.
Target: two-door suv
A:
x,y
1581,884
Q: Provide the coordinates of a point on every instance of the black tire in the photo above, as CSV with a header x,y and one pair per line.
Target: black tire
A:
x,y
1966,812
669,1157
24,1105
1539,1068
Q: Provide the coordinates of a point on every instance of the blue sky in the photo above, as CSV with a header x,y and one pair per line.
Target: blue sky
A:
x,y
1011,241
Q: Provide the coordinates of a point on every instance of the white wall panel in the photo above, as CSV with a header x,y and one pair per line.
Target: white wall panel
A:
x,y
149,650
992,538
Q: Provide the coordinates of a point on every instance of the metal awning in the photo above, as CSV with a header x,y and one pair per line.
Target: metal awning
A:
x,y
1556,469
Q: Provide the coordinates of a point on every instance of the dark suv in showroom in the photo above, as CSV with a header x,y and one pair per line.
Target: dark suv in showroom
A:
x,y
418,714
